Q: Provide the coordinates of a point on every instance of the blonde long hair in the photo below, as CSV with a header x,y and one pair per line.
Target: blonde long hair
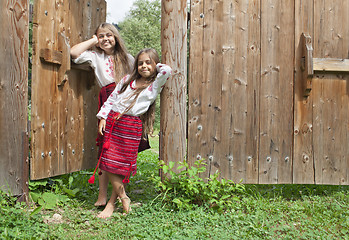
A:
x,y
122,65
148,117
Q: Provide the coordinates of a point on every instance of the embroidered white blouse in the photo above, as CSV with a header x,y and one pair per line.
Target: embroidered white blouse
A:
x,y
118,102
102,64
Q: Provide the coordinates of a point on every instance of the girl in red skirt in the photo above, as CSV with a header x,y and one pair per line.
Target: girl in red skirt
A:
x,y
126,116
110,61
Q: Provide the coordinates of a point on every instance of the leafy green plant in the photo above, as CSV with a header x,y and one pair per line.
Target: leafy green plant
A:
x,y
187,188
49,193
15,219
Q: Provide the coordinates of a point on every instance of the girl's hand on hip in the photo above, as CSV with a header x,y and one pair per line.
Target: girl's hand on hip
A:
x,y
101,127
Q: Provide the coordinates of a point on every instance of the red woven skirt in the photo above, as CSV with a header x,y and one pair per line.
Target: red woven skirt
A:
x,y
120,145
104,94
102,97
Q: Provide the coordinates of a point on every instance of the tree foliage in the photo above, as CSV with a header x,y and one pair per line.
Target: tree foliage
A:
x,y
142,26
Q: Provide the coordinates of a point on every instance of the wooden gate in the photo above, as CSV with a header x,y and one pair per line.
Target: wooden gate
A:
x,y
64,99
249,116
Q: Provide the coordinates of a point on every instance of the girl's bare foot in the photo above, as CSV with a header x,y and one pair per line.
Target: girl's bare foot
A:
x,y
107,212
126,205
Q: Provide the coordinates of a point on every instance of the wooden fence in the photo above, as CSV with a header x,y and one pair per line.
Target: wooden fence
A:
x,y
267,89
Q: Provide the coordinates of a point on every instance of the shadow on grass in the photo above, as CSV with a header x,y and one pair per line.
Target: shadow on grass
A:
x,y
293,191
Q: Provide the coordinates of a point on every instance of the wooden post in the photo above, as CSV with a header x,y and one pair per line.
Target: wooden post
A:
x,y
13,92
173,97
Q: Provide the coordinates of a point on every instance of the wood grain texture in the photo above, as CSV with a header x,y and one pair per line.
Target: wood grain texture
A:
x,y
223,87
330,94
331,65
248,117
64,100
14,41
303,158
196,141
276,92
253,94
173,106
211,84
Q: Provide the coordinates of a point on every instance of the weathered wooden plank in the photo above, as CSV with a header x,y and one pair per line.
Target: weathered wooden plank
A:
x,y
303,161
44,116
173,106
211,83
81,88
79,106
331,64
13,93
201,146
276,92
237,150
51,56
196,142
228,151
218,82
221,74
330,100
253,95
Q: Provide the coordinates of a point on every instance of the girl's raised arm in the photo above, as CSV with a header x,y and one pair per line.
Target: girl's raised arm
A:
x,y
164,72
79,48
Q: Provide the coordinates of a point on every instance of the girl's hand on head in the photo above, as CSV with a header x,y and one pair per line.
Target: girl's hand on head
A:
x,y
94,37
101,127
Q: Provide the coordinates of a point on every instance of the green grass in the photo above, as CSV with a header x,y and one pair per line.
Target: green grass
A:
x,y
262,212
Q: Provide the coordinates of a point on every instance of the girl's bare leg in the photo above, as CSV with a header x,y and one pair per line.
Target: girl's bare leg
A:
x,y
118,191
126,205
103,189
109,208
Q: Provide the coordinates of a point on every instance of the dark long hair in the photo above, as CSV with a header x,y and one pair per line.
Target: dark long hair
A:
x,y
148,117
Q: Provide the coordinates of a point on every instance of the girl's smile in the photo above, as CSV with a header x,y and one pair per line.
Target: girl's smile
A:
x,y
106,40
146,66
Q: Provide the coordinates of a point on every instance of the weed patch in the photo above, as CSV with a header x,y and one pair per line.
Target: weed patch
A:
x,y
185,189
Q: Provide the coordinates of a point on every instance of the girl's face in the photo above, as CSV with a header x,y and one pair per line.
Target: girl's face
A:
x,y
106,40
146,66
